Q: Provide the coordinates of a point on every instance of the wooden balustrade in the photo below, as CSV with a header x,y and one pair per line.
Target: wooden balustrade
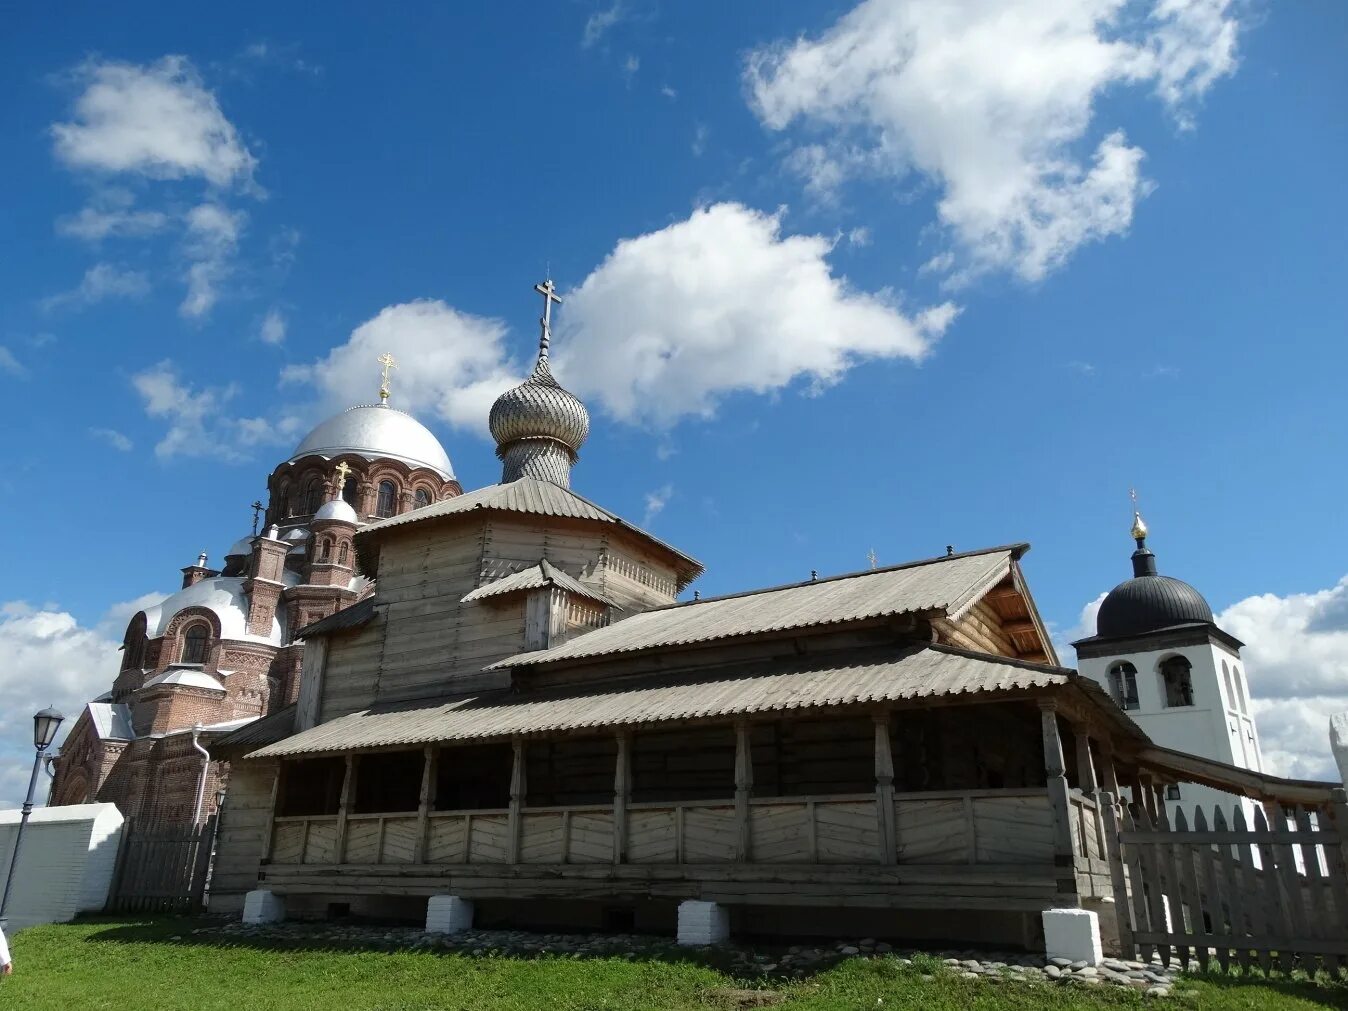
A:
x,y
940,827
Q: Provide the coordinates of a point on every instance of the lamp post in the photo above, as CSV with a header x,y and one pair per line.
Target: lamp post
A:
x,y
45,725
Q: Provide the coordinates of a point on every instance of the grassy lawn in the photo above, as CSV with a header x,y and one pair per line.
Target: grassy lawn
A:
x,y
114,964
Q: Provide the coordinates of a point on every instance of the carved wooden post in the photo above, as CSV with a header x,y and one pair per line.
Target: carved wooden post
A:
x,y
517,791
1123,910
622,795
884,790
1085,764
269,833
1055,773
1109,775
744,784
424,801
344,806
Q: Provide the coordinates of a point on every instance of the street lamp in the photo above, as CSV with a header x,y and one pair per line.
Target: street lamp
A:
x,y
45,725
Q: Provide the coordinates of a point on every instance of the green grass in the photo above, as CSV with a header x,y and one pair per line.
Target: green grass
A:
x,y
115,964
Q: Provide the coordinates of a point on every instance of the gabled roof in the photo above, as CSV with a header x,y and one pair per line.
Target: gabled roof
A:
x,y
530,496
876,676
948,584
533,578
354,616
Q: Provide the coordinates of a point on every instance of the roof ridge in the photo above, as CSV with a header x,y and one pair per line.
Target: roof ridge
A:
x,y
1017,549
941,647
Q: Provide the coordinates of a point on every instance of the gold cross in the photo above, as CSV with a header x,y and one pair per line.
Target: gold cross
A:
x,y
342,471
389,363
871,556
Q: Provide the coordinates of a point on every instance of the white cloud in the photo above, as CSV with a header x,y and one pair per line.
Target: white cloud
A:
x,y
453,364
198,424
656,502
859,236
101,281
10,364
993,104
668,92
674,320
630,67
213,232
158,120
95,223
700,133
598,24
1084,627
113,438
51,659
273,327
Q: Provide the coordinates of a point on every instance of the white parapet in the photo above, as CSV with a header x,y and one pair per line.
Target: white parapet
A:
x,y
703,922
1073,934
262,906
448,914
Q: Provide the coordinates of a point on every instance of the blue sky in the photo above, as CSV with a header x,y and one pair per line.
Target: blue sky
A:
x,y
838,277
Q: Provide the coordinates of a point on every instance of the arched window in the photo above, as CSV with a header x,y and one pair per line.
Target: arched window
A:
x,y
325,550
1123,684
195,638
1230,686
423,498
341,554
388,499
133,645
313,495
349,492
1240,689
1177,680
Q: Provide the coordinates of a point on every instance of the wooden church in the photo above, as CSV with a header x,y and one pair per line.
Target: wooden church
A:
x,y
523,725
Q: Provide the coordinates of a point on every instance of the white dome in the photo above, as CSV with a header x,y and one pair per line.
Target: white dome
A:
x,y
224,597
186,678
374,431
337,509
242,548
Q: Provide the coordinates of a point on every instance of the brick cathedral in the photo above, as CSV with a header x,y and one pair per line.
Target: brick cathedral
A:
x,y
222,652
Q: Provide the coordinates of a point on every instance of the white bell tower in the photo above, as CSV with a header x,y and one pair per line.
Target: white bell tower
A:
x,y
1162,658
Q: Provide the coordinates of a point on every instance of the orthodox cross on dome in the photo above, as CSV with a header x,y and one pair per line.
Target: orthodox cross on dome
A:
x,y
257,508
1139,531
870,557
388,362
549,292
343,469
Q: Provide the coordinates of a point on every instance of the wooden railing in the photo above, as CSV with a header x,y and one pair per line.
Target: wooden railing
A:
x,y
962,827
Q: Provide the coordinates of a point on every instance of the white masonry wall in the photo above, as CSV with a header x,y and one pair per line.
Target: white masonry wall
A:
x,y
66,864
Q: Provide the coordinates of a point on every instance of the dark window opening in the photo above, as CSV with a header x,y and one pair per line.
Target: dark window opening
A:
x,y
1177,677
349,492
313,495
195,639
341,554
325,552
423,498
809,758
473,777
691,764
388,781
1172,792
388,499
1123,685
570,771
283,505
311,786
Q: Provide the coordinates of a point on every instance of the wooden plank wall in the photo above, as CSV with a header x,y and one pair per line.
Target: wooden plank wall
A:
x,y
244,825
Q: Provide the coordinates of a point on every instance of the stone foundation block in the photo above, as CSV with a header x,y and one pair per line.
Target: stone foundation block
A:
x,y
262,906
703,923
1073,934
448,914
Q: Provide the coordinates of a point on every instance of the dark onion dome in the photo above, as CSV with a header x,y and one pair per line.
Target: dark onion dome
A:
x,y
1148,602
539,408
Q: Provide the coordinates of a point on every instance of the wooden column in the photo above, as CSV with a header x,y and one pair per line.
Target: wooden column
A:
x,y
622,795
1148,798
1085,764
424,802
269,832
1109,775
1123,910
518,786
884,790
344,806
744,784
1055,773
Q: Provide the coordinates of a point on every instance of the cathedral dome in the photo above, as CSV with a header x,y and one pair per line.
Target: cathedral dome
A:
x,y
539,408
242,548
376,431
1147,603
337,509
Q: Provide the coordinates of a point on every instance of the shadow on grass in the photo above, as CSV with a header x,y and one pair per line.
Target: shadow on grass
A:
x,y
1325,989
315,936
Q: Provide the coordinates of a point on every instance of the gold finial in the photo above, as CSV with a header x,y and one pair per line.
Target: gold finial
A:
x,y
870,556
342,469
388,362
1139,527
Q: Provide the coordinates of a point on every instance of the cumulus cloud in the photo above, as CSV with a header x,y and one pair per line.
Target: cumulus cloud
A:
x,y
597,25
113,438
454,363
111,215
212,239
993,105
723,302
51,659
158,120
656,502
199,423
10,364
101,281
273,327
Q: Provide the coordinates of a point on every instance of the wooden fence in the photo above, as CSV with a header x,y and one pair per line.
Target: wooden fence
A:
x,y
162,870
1254,893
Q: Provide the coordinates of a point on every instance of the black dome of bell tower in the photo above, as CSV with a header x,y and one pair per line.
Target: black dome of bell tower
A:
x,y
1148,602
